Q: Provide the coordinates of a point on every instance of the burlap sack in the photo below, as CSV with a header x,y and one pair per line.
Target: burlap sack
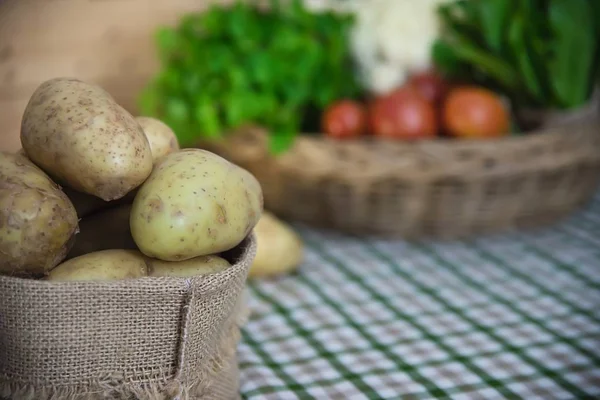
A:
x,y
148,339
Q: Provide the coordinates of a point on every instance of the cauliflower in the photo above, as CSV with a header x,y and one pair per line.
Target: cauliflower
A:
x,y
392,39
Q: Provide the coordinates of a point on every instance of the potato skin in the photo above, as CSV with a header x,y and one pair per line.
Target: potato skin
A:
x,y
80,136
106,265
279,249
105,230
161,138
37,220
203,265
194,203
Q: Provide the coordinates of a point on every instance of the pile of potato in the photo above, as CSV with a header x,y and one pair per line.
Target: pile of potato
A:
x,y
97,194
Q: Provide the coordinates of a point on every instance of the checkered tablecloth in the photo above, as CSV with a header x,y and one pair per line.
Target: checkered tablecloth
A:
x,y
508,317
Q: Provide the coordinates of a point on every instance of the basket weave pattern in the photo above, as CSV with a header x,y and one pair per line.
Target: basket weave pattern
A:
x,y
149,338
437,188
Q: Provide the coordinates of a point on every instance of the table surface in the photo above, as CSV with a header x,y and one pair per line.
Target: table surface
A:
x,y
512,316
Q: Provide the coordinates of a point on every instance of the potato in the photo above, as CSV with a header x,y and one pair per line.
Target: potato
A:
x,y
82,138
106,265
279,248
37,220
202,265
161,138
105,230
194,203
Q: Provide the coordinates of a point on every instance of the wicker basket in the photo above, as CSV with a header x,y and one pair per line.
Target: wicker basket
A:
x,y
438,188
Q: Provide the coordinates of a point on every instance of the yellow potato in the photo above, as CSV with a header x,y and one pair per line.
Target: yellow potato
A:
x,y
80,136
106,265
202,265
161,138
194,203
37,220
105,230
279,248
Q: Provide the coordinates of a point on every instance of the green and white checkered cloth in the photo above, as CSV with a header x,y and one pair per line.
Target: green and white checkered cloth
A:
x,y
509,317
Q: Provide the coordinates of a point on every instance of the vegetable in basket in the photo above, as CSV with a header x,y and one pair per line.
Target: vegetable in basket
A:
x,y
403,114
542,54
232,66
472,112
344,119
392,39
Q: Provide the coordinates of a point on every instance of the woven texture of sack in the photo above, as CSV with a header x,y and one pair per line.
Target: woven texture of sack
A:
x,y
434,188
146,339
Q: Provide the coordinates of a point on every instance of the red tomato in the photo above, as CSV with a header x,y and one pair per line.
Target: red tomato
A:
x,y
344,119
471,111
403,114
431,85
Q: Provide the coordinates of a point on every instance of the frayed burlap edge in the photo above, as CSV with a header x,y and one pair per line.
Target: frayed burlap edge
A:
x,y
196,387
225,355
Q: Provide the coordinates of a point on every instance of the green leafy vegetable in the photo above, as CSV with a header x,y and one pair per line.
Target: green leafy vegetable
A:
x,y
518,45
494,16
236,65
575,45
540,53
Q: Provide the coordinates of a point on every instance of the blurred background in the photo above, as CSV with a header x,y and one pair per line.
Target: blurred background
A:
x,y
421,117
466,81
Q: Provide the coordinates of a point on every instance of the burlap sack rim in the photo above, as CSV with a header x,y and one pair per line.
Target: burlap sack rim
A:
x,y
189,387
164,283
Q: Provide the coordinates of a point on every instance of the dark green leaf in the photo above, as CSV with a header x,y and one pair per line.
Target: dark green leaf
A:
x,y
494,18
325,95
574,44
489,64
516,39
445,58
460,17
596,16
213,22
